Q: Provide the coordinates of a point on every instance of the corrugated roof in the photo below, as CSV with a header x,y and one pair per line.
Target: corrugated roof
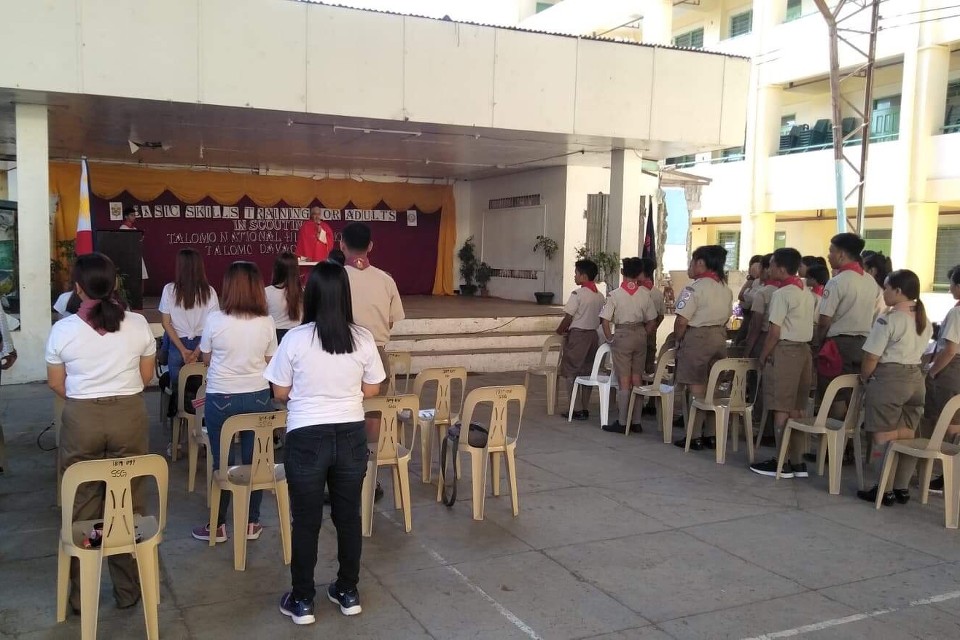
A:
x,y
523,29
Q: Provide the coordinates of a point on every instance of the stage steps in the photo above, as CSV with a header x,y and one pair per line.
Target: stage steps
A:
x,y
482,345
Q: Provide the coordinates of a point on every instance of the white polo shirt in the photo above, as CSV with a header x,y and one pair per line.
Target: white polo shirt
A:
x,y
325,387
277,308
100,366
238,348
187,323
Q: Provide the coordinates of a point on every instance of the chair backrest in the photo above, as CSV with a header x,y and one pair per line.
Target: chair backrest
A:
x,y
940,429
188,371
602,352
444,377
551,343
391,426
743,387
201,410
668,343
399,360
263,425
117,473
500,398
848,381
667,360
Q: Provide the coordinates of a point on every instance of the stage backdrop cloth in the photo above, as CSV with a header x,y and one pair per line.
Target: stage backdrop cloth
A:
x,y
245,231
435,206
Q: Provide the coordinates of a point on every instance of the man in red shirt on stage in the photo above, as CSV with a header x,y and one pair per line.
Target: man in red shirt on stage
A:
x,y
315,238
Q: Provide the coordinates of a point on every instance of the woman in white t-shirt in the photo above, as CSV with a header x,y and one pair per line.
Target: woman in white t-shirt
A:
x,y
324,369
184,306
99,360
237,344
285,294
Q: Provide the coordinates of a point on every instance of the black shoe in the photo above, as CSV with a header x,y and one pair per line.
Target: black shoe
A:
x,y
871,496
799,470
769,469
378,492
349,601
709,442
636,428
696,444
616,427
902,496
581,415
300,611
936,485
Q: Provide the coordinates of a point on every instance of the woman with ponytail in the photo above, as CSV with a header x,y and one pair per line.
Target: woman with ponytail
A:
x,y
894,381
285,294
99,360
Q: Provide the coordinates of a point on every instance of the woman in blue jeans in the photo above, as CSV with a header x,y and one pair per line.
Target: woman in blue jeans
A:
x,y
324,369
237,344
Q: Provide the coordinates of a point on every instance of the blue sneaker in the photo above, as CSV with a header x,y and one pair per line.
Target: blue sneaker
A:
x,y
349,601
300,611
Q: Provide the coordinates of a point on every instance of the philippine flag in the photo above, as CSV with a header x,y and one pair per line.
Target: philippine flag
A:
x,y
84,241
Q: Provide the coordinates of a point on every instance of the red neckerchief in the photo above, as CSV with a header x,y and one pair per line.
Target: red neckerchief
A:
x,y
818,290
854,266
86,308
589,284
647,283
794,280
359,262
770,282
709,274
630,286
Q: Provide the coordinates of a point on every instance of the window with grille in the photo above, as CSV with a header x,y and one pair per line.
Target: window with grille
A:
x,y
741,24
730,240
877,240
948,255
885,124
597,215
779,239
690,39
951,119
794,9
543,6
787,123
682,161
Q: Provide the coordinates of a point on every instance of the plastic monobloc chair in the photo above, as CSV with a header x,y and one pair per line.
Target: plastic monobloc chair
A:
x,y
197,437
445,412
261,474
660,391
605,383
547,370
403,361
743,391
123,531
389,451
499,443
184,416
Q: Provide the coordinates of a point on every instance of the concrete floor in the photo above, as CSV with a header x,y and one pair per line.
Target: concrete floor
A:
x,y
617,538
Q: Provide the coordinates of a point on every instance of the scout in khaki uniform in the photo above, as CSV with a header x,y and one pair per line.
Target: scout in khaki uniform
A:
x,y
848,307
581,319
747,291
649,270
943,374
786,358
760,309
703,309
630,308
891,370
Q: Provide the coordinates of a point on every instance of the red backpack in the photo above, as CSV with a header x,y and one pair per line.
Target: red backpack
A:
x,y
829,362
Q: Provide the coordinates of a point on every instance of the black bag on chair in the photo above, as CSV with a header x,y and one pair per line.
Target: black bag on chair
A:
x,y
476,437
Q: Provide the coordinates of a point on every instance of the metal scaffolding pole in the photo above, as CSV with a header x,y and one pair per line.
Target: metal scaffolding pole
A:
x,y
863,43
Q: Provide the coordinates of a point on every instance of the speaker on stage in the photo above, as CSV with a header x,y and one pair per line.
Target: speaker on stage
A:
x,y
125,248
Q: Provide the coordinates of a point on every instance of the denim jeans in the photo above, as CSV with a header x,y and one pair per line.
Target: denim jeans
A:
x,y
175,360
335,455
219,407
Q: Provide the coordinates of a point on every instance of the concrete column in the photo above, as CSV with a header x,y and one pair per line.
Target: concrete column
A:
x,y
914,230
763,138
658,22
33,238
626,202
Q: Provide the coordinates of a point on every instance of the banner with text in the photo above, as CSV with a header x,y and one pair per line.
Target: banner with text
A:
x,y
405,242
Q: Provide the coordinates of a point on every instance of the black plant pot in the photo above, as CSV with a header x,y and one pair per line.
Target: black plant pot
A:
x,y
468,289
544,297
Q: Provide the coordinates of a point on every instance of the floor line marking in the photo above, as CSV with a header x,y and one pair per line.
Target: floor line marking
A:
x,y
501,609
835,622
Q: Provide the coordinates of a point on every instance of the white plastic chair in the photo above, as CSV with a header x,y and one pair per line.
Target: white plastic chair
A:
x,y
605,383
833,433
445,412
661,392
739,404
547,370
389,451
399,360
197,437
931,449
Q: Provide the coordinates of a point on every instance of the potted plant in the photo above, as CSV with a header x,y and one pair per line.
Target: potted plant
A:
x,y
549,247
484,273
608,264
468,267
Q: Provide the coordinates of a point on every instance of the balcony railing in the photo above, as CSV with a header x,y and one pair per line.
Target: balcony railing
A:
x,y
951,128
